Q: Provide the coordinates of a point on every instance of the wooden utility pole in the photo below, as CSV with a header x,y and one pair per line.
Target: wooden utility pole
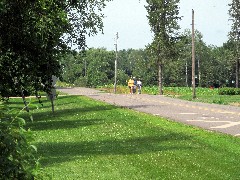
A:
x,y
193,58
237,60
186,72
199,68
237,72
115,77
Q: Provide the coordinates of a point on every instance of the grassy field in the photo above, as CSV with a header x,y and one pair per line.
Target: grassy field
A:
x,y
86,139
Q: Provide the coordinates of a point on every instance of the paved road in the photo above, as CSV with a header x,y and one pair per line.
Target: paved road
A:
x,y
213,117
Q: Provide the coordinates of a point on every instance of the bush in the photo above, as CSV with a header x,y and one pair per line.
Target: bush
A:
x,y
17,155
81,82
229,91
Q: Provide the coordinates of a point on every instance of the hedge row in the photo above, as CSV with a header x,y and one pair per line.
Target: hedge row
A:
x,y
229,91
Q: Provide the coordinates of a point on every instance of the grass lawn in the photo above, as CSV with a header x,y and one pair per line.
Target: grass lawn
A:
x,y
87,139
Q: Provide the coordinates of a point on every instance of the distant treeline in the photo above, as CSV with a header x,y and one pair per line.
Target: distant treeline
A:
x,y
215,66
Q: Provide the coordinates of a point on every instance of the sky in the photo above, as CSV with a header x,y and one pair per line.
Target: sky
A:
x,y
129,19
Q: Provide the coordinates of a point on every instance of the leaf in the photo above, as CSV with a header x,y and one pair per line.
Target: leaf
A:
x,y
34,147
31,118
21,121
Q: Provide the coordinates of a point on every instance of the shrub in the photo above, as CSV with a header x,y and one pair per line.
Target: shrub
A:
x,y
229,91
81,82
17,155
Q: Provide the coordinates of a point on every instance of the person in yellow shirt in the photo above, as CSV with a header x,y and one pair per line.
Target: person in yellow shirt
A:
x,y
131,85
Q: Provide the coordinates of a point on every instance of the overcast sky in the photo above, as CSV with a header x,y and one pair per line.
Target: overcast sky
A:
x,y
128,18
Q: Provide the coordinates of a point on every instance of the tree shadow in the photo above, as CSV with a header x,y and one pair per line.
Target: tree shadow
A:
x,y
67,151
42,116
63,124
141,106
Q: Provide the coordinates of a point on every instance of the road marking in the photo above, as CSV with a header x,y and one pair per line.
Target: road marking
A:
x,y
210,121
187,113
215,110
227,125
225,112
230,124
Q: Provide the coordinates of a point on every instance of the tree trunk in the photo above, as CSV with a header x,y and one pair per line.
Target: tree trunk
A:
x,y
237,73
51,98
24,101
160,83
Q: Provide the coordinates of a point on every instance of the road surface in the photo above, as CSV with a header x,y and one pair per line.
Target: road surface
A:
x,y
213,117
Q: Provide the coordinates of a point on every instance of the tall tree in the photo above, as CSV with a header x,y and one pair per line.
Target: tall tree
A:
x,y
234,13
34,34
163,19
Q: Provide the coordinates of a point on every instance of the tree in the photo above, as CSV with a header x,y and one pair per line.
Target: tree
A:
x,y
163,17
184,48
93,67
100,68
234,13
73,67
35,34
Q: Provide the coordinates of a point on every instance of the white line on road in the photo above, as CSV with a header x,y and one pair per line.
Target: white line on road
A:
x,y
230,124
227,125
187,113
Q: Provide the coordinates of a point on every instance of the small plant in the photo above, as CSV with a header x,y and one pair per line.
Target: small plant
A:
x,y
218,101
17,155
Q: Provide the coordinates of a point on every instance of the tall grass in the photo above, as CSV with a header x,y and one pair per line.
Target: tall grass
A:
x,y
86,139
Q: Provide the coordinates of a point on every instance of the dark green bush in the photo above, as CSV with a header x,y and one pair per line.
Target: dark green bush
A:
x,y
229,91
17,155
81,82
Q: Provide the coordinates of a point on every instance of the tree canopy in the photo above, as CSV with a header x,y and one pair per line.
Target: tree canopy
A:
x,y
163,20
234,34
33,36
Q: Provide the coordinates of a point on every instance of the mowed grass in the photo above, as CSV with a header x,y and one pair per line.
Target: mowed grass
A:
x,y
87,139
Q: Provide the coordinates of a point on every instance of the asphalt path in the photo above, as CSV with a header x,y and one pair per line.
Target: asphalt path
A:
x,y
213,117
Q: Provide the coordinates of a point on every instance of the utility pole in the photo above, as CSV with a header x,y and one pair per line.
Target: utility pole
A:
x,y
85,68
199,72
237,60
115,77
193,58
186,72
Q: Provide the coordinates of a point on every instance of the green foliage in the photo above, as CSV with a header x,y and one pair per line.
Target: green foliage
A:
x,y
234,13
229,91
182,91
81,82
35,34
92,67
17,155
214,66
100,67
163,17
63,84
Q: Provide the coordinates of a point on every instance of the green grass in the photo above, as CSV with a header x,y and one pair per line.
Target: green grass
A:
x,y
86,139
205,95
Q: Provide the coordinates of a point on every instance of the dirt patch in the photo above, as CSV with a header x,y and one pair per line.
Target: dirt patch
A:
x,y
235,104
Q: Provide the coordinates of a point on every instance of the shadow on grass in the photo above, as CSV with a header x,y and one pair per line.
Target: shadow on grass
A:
x,y
63,124
44,102
42,116
143,106
67,151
